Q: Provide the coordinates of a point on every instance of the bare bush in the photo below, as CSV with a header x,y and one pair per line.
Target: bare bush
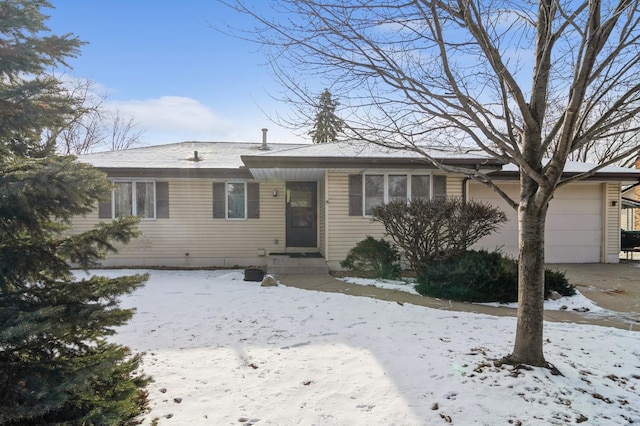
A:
x,y
438,229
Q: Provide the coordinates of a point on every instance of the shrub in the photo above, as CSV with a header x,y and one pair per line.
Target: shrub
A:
x,y
557,281
439,229
481,276
377,257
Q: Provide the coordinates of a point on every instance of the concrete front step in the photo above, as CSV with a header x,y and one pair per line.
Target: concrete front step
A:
x,y
286,265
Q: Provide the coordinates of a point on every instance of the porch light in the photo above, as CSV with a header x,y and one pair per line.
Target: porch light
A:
x,y
275,192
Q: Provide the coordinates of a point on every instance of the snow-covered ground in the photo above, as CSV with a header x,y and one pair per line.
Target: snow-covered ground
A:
x,y
225,351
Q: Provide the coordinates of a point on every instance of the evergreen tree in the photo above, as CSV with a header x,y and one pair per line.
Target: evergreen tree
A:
x,y
56,364
327,124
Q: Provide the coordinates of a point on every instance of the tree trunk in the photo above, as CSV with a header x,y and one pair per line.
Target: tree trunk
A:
x,y
528,343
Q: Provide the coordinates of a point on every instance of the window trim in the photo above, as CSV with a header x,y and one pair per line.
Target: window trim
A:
x,y
386,186
134,202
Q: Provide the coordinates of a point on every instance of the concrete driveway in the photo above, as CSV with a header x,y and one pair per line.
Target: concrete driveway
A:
x,y
613,286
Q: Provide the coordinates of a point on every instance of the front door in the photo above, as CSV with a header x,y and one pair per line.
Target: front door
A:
x,y
302,214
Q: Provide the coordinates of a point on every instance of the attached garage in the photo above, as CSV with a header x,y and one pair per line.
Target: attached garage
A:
x,y
574,227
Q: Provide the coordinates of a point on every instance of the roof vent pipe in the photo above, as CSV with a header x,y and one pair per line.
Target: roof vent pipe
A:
x,y
195,156
264,139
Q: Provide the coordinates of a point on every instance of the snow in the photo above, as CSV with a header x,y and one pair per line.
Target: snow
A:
x,y
225,351
577,303
407,285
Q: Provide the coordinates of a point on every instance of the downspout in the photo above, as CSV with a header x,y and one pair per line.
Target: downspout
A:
x,y
464,189
327,207
465,194
605,229
464,201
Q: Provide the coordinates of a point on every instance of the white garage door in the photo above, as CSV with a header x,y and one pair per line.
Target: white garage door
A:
x,y
574,223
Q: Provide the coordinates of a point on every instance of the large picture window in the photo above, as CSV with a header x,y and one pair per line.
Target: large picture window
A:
x,y
134,198
370,190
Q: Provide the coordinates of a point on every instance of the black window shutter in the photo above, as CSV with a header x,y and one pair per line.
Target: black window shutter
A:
x,y
218,200
162,200
439,186
104,208
253,200
355,195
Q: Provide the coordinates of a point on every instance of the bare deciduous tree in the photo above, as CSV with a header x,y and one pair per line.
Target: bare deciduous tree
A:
x,y
601,151
520,80
123,133
81,128
91,125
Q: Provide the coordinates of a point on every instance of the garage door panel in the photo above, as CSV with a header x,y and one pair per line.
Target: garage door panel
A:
x,y
511,239
571,238
574,222
573,231
572,254
575,191
577,206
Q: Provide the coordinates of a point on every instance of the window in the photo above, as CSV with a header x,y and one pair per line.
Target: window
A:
x,y
370,190
122,199
236,200
420,186
439,186
236,206
134,198
397,187
373,192
146,199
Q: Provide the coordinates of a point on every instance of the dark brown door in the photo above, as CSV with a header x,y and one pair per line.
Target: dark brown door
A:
x,y
302,214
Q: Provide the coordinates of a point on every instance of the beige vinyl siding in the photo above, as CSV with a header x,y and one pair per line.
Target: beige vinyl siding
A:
x,y
454,186
209,242
574,226
322,215
344,230
611,222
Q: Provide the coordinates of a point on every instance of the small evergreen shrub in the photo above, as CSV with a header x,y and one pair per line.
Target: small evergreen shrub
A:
x,y
376,257
557,281
481,276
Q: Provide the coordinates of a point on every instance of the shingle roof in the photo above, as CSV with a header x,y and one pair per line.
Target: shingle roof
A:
x,y
359,149
580,167
212,155
229,155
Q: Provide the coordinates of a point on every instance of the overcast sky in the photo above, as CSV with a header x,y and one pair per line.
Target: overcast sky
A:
x,y
161,62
